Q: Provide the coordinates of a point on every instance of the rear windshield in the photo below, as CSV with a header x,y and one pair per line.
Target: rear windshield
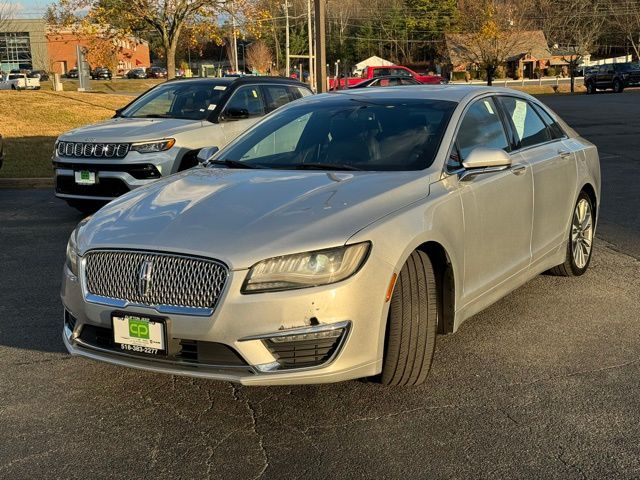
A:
x,y
346,132
183,100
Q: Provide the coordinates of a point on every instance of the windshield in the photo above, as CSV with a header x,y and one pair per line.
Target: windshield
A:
x,y
345,133
185,100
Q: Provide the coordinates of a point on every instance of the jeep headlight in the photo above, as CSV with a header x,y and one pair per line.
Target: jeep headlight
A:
x,y
73,256
310,269
151,147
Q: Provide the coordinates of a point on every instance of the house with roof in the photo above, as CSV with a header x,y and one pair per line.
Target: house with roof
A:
x,y
524,53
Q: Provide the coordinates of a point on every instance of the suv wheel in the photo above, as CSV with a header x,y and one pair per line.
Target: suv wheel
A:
x,y
617,86
580,243
412,324
591,88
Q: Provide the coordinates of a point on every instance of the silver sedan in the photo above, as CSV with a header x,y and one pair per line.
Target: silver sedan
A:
x,y
335,239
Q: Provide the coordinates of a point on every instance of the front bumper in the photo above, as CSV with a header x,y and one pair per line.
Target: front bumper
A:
x,y
114,177
242,323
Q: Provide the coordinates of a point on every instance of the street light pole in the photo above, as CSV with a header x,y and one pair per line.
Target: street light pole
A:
x,y
286,41
312,77
321,51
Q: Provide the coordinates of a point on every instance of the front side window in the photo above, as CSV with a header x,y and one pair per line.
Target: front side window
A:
x,y
247,101
346,134
189,101
481,127
529,128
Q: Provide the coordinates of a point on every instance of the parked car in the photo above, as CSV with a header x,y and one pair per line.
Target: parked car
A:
x,y
40,75
616,76
137,73
334,239
101,73
390,70
160,133
20,81
156,72
386,81
73,73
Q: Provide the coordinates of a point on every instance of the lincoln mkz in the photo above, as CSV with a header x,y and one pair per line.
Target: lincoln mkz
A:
x,y
335,239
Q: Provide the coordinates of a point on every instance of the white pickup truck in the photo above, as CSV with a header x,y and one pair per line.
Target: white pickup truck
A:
x,y
20,81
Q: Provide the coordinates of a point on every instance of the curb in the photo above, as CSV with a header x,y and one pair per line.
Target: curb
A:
x,y
26,182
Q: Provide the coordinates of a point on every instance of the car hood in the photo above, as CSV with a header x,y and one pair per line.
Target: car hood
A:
x,y
243,216
125,130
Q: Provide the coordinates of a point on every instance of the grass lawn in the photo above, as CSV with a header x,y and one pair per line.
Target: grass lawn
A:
x,y
33,120
117,85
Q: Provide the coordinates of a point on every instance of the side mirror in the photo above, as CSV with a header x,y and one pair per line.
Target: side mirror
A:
x,y
206,154
118,113
485,160
235,114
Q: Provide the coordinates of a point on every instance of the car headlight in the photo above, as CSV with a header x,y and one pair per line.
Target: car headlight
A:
x,y
151,147
73,256
310,269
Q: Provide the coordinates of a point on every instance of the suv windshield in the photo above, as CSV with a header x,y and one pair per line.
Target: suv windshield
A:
x,y
184,100
345,133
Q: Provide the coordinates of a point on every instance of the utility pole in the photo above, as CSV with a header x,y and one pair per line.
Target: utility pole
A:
x,y
234,39
312,77
286,41
321,51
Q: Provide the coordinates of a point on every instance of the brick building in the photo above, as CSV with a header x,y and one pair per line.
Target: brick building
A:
x,y
61,45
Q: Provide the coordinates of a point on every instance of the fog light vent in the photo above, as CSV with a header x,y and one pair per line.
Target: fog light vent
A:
x,y
308,349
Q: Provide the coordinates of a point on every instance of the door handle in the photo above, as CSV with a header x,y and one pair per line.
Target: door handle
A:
x,y
564,153
518,169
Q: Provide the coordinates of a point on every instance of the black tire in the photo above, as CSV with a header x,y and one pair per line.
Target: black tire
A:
x,y
591,88
569,268
86,206
412,324
617,86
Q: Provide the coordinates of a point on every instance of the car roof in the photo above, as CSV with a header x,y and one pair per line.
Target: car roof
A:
x,y
241,80
454,93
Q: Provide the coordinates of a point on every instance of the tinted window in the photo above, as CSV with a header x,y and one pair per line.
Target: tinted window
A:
x,y
555,129
386,135
247,98
481,127
277,96
529,128
193,101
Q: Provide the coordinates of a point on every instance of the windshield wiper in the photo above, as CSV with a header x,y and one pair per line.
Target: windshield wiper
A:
x,y
156,115
323,166
232,164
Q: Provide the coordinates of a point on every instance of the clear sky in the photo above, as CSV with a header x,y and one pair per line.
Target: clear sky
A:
x,y
29,8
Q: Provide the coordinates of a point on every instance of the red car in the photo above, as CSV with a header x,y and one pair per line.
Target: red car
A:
x,y
391,70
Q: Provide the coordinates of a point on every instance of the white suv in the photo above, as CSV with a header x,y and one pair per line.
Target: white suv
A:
x,y
160,133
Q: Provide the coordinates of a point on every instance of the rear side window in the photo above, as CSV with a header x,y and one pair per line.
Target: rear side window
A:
x,y
554,128
247,99
481,127
529,128
277,96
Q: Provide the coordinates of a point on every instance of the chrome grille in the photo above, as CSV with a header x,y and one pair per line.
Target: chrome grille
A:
x,y
92,150
172,280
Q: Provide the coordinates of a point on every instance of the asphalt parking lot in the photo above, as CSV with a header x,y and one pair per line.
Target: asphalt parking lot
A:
x,y
543,384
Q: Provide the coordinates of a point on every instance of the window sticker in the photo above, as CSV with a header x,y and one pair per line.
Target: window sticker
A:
x,y
220,87
519,116
212,106
255,94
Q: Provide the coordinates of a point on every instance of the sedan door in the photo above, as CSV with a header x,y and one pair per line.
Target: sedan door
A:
x,y
543,145
497,206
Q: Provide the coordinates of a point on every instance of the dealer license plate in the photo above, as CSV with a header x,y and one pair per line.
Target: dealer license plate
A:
x,y
85,177
138,334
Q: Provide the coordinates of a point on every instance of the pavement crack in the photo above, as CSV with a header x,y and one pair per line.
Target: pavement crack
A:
x,y
237,396
570,466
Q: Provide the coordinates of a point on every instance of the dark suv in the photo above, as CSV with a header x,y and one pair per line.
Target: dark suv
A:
x,y
616,76
101,73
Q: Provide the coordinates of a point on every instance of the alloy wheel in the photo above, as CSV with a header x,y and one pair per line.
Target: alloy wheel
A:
x,y
582,233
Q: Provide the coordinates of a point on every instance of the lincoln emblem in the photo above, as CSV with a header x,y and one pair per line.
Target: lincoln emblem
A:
x,y
144,277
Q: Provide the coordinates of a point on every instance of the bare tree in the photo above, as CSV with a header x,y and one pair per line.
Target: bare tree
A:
x,y
625,17
259,56
574,26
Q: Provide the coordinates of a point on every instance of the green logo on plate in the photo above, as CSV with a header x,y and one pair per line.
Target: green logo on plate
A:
x,y
84,175
138,328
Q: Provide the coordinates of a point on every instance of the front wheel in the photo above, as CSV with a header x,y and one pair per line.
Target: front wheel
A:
x,y
617,86
580,243
412,324
591,89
